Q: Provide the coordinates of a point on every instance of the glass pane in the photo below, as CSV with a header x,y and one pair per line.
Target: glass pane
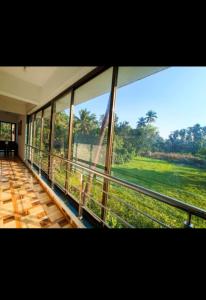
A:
x,y
37,130
29,153
61,125
91,118
13,128
160,138
90,131
5,131
33,129
37,137
45,138
30,131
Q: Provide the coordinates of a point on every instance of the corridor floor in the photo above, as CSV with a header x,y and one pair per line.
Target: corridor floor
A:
x,y
23,202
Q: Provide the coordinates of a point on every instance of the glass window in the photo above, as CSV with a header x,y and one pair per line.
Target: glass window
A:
x,y
91,115
160,139
29,138
37,137
13,132
45,138
30,130
61,125
5,131
60,137
90,131
37,130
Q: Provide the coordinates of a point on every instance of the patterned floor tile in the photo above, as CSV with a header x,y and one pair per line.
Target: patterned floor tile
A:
x,y
23,202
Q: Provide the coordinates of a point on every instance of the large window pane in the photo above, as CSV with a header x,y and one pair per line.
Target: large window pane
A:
x,y
13,132
60,138
37,137
37,130
45,138
91,120
61,125
90,130
30,131
160,139
30,135
5,131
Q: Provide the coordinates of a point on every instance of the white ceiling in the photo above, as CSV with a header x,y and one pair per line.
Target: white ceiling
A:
x,y
26,90
35,75
33,87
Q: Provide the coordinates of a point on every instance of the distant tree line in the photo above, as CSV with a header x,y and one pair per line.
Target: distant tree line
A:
x,y
128,141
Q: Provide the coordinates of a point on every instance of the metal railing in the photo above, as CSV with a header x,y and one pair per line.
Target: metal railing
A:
x,y
129,205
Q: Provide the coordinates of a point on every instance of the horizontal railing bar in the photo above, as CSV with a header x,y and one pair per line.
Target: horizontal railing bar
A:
x,y
131,207
136,210
155,195
112,212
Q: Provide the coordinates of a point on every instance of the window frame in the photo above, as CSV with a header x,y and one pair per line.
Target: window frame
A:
x,y
11,123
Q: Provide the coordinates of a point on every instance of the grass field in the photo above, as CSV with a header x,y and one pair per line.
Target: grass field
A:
x,y
184,183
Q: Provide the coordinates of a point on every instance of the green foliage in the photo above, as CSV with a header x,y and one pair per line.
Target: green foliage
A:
x,y
185,183
61,133
189,140
5,131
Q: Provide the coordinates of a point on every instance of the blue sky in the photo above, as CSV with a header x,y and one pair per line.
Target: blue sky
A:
x,y
177,95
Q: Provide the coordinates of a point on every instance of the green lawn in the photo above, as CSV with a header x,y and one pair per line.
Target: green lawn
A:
x,y
184,183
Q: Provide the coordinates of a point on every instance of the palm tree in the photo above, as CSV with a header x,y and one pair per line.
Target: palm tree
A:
x,y
86,122
151,116
141,122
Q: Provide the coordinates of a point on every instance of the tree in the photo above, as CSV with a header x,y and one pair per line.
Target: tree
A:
x,y
61,132
147,139
86,122
151,116
182,134
141,122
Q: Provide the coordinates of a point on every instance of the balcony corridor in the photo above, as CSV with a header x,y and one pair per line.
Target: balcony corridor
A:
x,y
23,202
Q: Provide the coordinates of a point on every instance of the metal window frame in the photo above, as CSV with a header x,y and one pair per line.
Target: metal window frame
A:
x,y
11,123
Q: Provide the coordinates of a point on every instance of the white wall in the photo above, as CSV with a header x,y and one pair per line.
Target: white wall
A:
x,y
21,138
8,117
12,105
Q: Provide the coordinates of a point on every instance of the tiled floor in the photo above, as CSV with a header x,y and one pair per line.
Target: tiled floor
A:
x,y
23,202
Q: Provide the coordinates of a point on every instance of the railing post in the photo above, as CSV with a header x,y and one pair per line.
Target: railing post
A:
x,y
32,158
188,224
81,199
40,162
52,170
